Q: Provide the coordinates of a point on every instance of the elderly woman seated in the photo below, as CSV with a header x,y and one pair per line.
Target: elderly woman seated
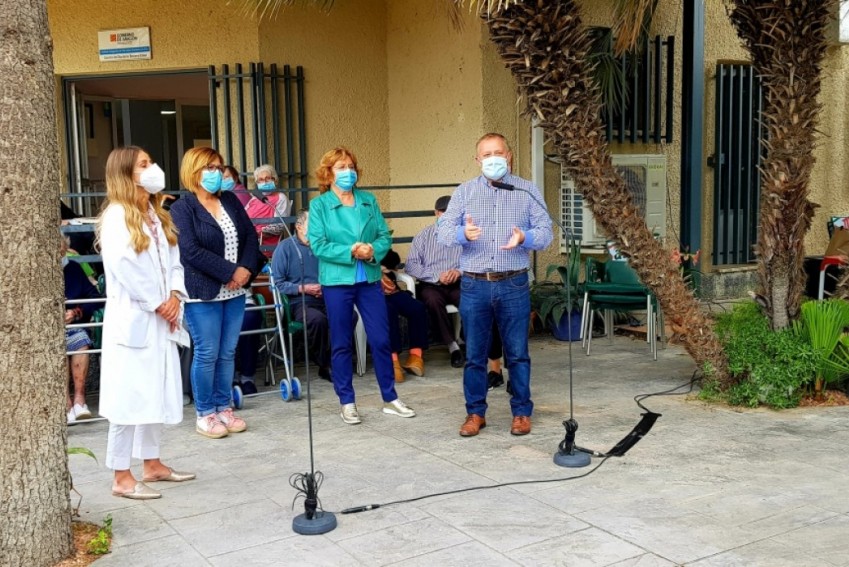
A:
x,y
269,203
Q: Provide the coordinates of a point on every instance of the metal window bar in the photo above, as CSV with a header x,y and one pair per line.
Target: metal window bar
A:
x,y
736,164
647,114
271,118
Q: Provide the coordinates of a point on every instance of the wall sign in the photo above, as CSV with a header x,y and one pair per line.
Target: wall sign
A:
x,y
120,45
843,22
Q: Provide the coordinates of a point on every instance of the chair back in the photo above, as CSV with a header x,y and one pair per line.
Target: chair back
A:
x,y
620,273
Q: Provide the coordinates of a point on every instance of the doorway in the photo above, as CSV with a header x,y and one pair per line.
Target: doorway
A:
x,y
165,113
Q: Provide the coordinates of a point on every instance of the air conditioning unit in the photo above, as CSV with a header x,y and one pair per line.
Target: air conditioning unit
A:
x,y
645,177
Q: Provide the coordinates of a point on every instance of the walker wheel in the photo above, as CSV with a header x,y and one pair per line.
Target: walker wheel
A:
x,y
285,390
296,388
238,396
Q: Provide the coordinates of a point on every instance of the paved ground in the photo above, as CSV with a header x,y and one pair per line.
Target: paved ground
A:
x,y
708,486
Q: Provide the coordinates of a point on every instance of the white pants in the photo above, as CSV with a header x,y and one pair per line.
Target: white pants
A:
x,y
137,441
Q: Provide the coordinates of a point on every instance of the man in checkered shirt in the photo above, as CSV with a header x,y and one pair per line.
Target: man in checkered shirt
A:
x,y
497,229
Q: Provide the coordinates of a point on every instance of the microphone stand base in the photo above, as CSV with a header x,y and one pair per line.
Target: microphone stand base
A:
x,y
574,460
321,523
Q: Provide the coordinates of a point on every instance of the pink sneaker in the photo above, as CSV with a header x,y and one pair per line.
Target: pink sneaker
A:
x,y
210,426
231,422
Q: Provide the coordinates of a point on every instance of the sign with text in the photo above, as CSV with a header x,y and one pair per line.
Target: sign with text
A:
x,y
120,45
843,21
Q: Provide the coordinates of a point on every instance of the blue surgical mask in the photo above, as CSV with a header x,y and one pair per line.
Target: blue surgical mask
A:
x,y
227,184
211,180
438,220
266,186
346,179
494,167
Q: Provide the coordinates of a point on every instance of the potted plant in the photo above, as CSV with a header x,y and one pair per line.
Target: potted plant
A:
x,y
559,302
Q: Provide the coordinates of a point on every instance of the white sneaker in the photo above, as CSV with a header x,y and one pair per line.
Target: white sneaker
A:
x,y
81,411
350,415
72,418
399,408
209,426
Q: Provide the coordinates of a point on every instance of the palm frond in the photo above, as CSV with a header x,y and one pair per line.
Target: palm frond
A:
x,y
263,9
631,21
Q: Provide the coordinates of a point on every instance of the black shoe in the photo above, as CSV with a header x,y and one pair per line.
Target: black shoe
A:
x,y
509,388
248,388
457,359
324,374
494,380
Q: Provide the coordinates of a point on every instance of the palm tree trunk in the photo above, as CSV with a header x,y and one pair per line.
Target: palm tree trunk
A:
x,y
545,46
34,489
787,43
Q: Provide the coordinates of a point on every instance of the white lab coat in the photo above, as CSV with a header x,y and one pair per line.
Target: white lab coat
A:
x,y
140,379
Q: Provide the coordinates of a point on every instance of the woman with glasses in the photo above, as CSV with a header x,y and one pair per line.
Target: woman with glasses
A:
x,y
349,236
220,253
268,203
140,383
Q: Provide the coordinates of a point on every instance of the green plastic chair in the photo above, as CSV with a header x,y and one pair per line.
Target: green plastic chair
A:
x,y
615,286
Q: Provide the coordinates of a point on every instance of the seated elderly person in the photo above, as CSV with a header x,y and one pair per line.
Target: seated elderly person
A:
x,y
437,268
269,203
293,277
77,286
402,303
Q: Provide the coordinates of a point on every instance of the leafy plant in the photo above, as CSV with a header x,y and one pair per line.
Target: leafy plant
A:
x,y
75,510
563,297
821,325
101,543
771,367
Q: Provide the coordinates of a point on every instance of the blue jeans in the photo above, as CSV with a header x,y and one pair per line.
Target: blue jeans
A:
x,y
508,304
214,327
340,301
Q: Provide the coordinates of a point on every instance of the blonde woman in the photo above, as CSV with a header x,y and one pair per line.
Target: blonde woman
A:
x,y
140,385
220,252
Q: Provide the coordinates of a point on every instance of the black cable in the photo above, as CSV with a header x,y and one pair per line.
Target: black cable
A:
x,y
356,509
604,456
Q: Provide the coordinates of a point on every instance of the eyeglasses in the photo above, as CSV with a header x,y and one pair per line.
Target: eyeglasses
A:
x,y
213,167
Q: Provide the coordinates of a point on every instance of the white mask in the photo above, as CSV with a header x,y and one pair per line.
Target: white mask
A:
x,y
152,179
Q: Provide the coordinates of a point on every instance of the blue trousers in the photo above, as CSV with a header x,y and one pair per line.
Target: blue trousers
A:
x,y
340,301
214,327
508,304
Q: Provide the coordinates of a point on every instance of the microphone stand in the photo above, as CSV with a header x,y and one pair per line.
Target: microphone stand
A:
x,y
567,455
313,521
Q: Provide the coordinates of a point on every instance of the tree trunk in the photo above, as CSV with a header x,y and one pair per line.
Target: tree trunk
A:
x,y
545,46
787,43
34,481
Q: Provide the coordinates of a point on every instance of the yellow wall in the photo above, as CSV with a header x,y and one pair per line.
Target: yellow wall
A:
x,y
343,53
182,34
410,95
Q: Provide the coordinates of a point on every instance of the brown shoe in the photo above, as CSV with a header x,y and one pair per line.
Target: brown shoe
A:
x,y
472,426
399,374
521,425
414,365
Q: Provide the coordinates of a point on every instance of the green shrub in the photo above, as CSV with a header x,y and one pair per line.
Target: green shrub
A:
x,y
102,542
773,367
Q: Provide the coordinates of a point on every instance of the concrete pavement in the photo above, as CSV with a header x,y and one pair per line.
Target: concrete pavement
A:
x,y
708,486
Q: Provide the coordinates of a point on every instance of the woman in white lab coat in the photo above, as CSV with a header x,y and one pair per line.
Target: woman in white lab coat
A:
x,y
140,384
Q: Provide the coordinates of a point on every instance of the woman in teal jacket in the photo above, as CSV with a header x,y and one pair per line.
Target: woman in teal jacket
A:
x,y
349,236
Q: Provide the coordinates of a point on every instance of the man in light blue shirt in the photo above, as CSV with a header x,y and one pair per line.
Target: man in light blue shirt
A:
x,y
497,229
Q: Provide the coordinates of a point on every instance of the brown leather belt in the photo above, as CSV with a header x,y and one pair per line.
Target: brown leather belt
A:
x,y
494,276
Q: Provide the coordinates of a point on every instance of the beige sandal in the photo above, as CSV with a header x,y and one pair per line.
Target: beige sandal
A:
x,y
140,491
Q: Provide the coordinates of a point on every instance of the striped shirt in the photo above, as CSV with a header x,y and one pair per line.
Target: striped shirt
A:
x,y
428,258
496,212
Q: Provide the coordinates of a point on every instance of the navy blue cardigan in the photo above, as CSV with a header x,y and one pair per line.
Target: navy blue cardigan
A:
x,y
201,244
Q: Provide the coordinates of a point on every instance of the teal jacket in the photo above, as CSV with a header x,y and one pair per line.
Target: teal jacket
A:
x,y
331,237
